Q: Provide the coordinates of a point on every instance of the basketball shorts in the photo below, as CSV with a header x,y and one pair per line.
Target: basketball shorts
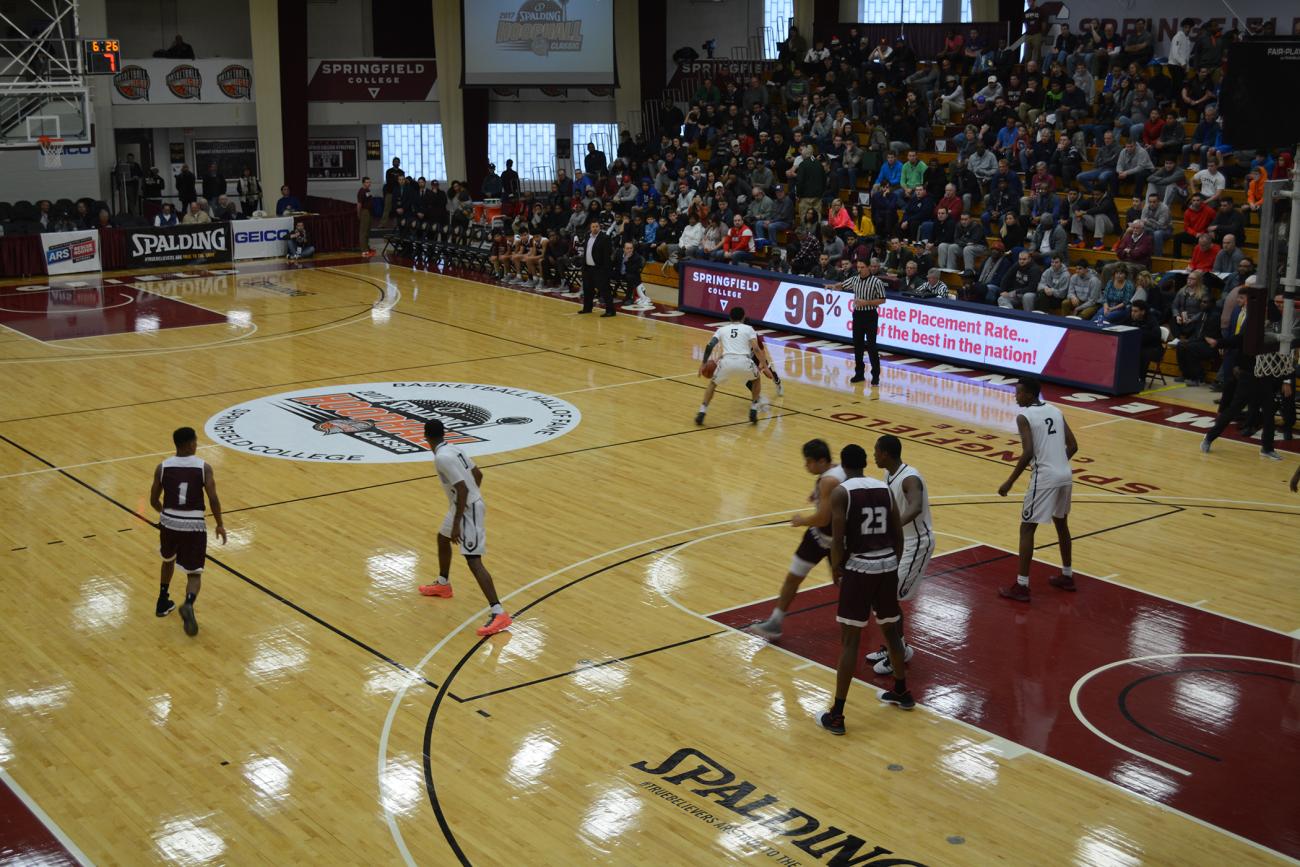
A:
x,y
740,367
861,593
187,548
814,547
473,530
1044,504
917,551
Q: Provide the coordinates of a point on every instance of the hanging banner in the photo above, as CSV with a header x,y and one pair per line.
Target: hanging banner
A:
x,y
262,239
71,252
371,80
179,245
332,159
166,80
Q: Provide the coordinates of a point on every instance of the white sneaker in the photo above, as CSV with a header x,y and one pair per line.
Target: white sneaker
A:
x,y
780,389
883,654
763,629
1271,455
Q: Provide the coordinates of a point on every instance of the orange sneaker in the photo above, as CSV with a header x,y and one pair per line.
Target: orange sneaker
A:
x,y
498,623
442,591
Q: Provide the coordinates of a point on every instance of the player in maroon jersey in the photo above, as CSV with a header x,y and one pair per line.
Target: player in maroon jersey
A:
x,y
179,488
866,541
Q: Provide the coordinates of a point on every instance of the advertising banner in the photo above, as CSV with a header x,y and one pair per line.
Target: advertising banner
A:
x,y
262,239
1162,16
166,80
179,245
371,80
1055,349
75,156
332,159
71,252
232,156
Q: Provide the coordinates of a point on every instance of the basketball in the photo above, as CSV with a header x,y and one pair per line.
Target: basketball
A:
x,y
708,368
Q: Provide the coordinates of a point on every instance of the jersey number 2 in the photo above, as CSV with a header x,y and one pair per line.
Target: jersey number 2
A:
x,y
875,521
1051,425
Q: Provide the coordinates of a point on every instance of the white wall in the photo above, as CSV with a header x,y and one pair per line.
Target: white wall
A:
x,y
218,29
691,22
340,28
22,179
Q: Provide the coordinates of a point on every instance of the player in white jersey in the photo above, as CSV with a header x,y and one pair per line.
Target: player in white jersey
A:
x,y
913,501
816,543
463,526
739,347
1048,443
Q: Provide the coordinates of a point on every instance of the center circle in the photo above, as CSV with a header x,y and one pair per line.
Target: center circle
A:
x,y
383,422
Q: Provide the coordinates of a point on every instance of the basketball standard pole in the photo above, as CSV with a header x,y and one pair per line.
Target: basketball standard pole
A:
x,y
1290,281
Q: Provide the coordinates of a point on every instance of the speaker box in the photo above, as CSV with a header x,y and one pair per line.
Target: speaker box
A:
x,y
1263,75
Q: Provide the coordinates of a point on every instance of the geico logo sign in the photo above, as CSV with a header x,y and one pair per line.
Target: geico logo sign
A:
x,y
257,236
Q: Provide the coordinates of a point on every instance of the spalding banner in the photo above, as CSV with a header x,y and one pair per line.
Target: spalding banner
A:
x,y
179,245
71,252
262,239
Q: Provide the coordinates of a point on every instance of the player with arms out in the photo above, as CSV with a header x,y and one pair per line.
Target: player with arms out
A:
x,y
913,501
866,542
739,349
816,543
179,487
1048,443
463,526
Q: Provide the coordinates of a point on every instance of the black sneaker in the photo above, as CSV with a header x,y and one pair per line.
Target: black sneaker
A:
x,y
832,722
164,607
753,416
858,378
187,615
699,418
903,700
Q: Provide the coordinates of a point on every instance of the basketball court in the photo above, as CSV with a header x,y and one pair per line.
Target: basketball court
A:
x,y
326,712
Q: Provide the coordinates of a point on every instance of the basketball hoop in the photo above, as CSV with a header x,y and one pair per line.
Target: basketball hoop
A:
x,y
52,151
1274,364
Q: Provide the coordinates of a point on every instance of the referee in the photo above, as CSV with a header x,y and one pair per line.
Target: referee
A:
x,y
868,294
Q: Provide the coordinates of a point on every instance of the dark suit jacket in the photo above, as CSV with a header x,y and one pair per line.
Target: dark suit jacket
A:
x,y
634,265
602,254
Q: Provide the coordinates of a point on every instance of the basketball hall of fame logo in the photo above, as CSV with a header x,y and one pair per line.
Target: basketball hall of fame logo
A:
x,y
383,422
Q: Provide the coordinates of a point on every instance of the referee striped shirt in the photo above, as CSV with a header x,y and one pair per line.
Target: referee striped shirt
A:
x,y
869,288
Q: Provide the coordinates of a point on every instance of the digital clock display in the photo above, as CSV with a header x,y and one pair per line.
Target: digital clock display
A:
x,y
101,56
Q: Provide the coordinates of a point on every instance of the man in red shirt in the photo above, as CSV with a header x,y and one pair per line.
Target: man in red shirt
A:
x,y
1196,219
364,214
738,244
1204,253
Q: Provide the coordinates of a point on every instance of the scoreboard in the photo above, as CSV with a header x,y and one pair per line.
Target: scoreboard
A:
x,y
101,56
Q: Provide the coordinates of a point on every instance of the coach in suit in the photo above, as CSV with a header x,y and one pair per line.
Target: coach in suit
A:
x,y
627,269
596,255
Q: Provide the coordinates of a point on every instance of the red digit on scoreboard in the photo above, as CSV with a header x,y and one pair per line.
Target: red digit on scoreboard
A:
x,y
112,61
794,306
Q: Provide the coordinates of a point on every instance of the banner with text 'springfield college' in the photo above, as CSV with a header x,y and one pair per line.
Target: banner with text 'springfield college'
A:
x,y
179,245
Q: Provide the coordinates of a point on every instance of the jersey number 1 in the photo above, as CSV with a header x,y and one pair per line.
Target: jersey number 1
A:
x,y
875,521
180,493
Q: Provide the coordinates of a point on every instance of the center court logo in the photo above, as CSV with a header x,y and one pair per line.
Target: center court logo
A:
x,y
383,422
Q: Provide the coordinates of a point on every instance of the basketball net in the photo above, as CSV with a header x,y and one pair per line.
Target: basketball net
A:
x,y
52,151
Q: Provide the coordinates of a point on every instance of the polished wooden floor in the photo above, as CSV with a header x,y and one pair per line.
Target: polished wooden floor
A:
x,y
328,714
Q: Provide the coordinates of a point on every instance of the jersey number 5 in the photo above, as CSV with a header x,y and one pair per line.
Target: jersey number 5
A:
x,y
735,332
875,521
